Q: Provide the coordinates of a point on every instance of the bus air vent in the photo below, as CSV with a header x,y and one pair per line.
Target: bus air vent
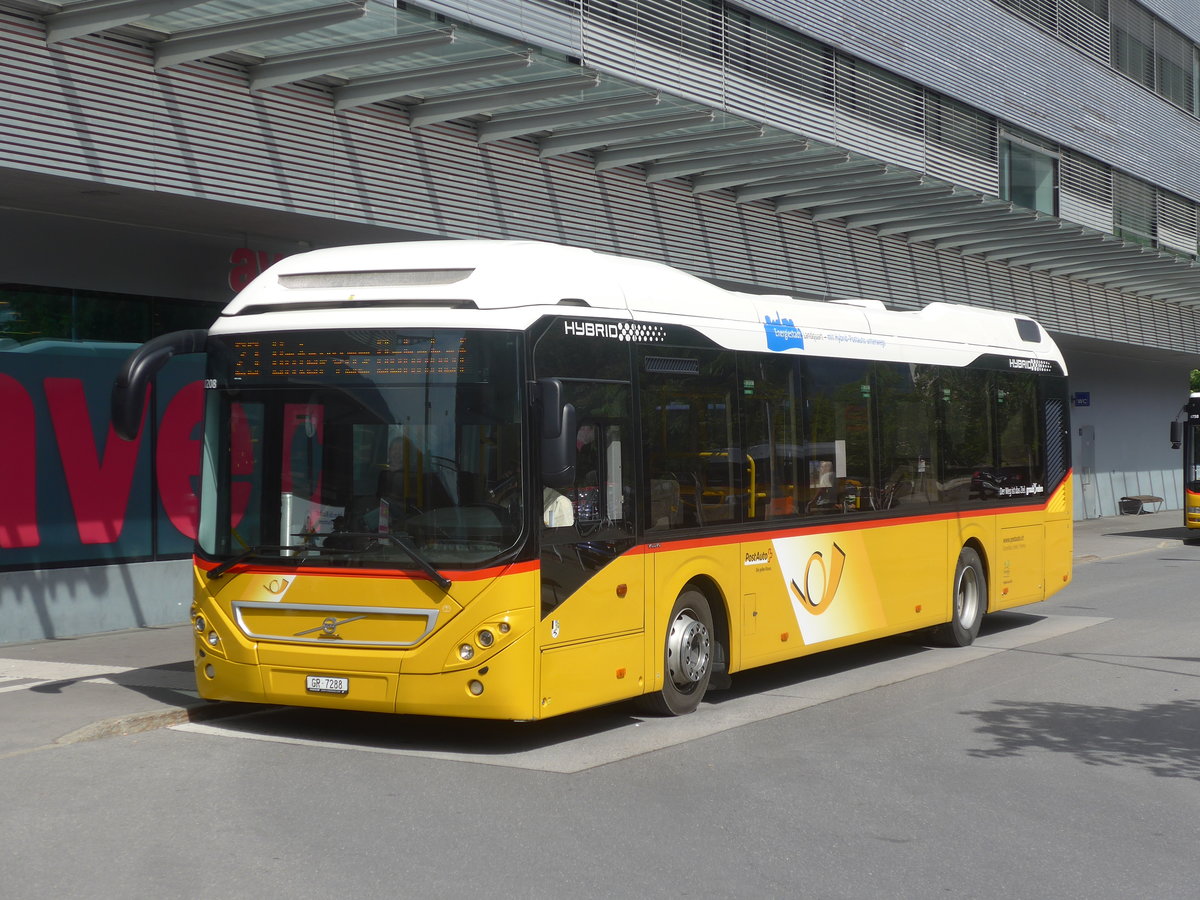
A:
x,y
382,278
668,365
255,309
1029,331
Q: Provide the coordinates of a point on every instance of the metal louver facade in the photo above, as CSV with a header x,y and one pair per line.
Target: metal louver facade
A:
x,y
975,51
786,210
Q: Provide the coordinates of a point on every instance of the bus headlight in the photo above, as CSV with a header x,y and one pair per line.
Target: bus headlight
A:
x,y
200,624
213,639
466,651
485,638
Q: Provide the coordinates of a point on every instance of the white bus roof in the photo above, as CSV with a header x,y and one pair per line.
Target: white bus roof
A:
x,y
510,284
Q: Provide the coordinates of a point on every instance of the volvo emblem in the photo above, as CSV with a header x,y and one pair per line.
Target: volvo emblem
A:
x,y
328,627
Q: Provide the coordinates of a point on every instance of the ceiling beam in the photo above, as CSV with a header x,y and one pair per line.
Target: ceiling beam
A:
x,y
844,191
1050,252
801,161
1094,270
985,233
591,137
918,205
486,100
376,89
989,212
881,198
1188,296
531,121
789,193
770,150
679,146
1183,277
299,66
188,46
80,19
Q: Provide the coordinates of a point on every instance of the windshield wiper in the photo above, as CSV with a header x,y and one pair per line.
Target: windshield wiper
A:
x,y
250,552
402,540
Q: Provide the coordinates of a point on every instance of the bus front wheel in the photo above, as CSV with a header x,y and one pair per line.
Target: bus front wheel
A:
x,y
969,598
687,657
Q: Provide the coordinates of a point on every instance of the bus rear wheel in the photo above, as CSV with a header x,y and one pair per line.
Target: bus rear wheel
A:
x,y
969,600
687,657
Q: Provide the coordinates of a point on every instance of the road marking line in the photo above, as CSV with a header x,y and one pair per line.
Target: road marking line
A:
x,y
55,671
596,748
32,673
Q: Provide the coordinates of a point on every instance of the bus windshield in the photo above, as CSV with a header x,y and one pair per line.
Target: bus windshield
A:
x,y
377,449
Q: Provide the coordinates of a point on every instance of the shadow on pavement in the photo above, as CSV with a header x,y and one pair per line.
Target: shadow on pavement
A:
x,y
1164,534
1162,738
171,683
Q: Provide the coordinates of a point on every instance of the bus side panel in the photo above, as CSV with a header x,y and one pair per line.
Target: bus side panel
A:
x,y
1019,565
591,674
669,569
979,531
822,590
1060,537
591,648
1032,557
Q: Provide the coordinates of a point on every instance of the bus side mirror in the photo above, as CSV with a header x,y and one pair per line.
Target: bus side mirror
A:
x,y
129,387
1176,435
558,435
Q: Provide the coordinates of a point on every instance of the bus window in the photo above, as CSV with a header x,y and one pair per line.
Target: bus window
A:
x,y
1020,469
693,466
908,445
968,471
771,456
841,457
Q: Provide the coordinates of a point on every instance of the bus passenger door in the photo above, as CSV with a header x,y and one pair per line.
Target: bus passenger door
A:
x,y
592,583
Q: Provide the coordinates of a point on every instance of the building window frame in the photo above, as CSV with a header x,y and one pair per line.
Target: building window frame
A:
x,y
1029,172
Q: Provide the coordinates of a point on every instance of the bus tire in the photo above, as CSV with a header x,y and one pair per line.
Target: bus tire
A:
x,y
969,601
687,657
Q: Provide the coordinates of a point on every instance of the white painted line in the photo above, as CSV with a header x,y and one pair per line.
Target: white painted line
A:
x,y
33,672
22,686
647,735
55,671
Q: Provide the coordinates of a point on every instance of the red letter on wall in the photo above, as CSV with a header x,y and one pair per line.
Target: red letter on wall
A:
x,y
178,457
18,466
99,489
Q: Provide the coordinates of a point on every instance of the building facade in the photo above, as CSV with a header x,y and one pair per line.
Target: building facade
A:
x,y
1037,156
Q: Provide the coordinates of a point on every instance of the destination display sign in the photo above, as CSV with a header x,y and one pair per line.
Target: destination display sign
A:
x,y
340,356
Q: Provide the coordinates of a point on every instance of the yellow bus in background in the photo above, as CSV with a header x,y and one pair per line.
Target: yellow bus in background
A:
x,y
512,480
1185,434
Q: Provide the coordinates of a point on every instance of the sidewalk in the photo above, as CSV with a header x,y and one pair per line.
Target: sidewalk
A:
x,y
64,691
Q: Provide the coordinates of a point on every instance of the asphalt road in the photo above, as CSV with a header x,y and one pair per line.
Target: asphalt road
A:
x,y
1059,757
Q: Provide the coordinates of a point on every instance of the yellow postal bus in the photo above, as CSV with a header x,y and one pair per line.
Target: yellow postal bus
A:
x,y
514,479
1185,431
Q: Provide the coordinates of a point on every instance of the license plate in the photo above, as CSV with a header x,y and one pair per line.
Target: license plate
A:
x,y
323,684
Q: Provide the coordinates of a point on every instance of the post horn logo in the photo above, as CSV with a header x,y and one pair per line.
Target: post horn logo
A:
x,y
820,582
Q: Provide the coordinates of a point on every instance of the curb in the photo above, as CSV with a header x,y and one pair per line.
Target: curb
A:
x,y
138,723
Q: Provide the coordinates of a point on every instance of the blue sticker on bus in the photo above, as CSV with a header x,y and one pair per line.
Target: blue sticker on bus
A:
x,y
782,334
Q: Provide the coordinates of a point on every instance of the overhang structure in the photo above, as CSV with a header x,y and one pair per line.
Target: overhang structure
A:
x,y
505,87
